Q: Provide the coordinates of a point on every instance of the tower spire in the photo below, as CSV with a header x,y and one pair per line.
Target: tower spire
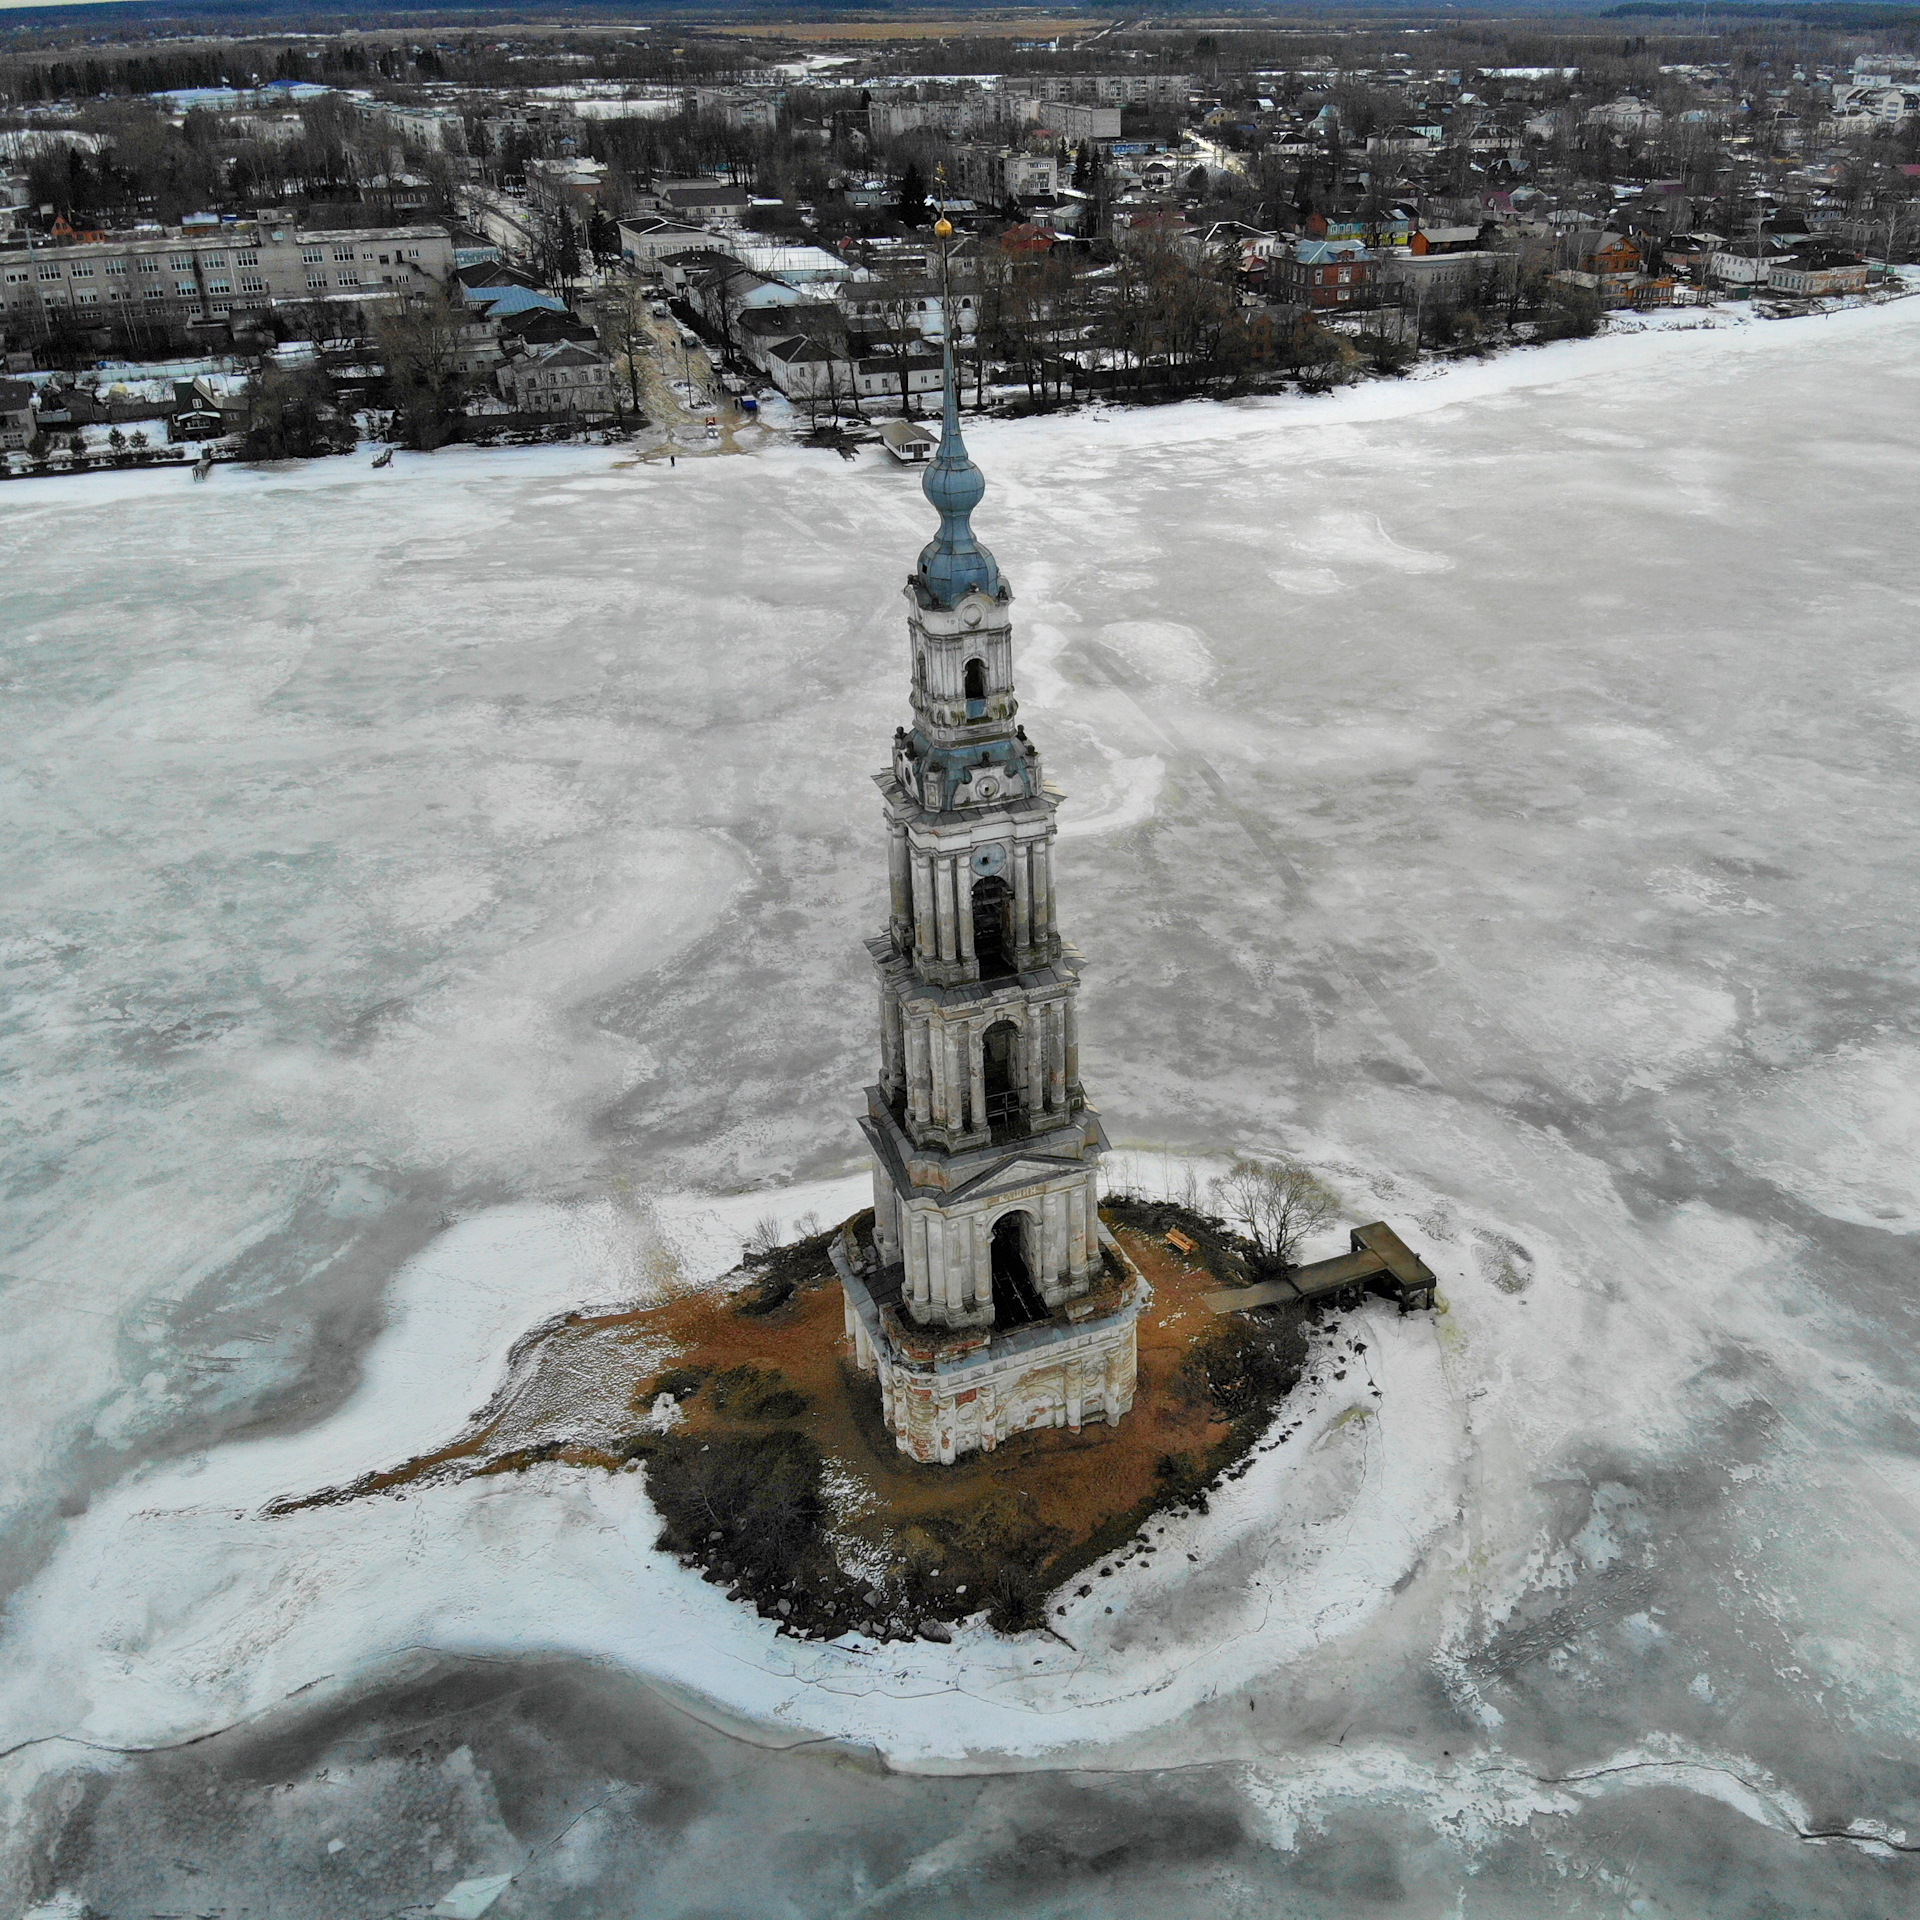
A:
x,y
953,563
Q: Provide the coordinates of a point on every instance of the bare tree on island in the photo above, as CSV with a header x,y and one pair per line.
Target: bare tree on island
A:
x,y
1277,1204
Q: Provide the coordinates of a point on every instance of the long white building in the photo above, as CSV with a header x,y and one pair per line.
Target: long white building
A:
x,y
183,277
1105,89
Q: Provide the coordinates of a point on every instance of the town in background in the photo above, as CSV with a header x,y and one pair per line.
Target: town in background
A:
x,y
280,244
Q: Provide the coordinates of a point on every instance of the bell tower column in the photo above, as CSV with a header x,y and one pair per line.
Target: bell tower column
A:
x,y
900,885
986,1303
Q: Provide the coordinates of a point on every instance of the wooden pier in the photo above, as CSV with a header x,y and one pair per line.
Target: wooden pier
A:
x,y
1380,1262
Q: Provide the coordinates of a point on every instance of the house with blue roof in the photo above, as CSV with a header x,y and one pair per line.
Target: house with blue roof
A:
x,y
1329,273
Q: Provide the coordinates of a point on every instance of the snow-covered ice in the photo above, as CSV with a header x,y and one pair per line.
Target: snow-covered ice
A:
x,y
433,901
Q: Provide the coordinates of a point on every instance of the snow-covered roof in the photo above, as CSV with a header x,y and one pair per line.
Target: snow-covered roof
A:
x,y
1315,253
559,353
791,262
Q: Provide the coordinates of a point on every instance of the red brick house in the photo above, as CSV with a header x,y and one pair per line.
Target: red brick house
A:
x,y
1328,273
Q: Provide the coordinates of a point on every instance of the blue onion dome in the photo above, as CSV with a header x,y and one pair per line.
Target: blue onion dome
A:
x,y
953,563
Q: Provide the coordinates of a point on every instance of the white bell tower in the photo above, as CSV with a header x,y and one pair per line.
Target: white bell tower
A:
x,y
991,1299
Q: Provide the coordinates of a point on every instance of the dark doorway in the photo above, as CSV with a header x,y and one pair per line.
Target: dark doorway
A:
x,y
1000,1060
976,690
993,927
1016,1300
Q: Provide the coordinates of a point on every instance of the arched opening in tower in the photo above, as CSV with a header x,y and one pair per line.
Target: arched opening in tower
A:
x,y
1000,1048
976,689
1016,1300
993,927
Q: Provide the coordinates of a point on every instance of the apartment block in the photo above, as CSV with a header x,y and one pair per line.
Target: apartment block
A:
x,y
1105,89
1076,122
995,174
968,113
187,277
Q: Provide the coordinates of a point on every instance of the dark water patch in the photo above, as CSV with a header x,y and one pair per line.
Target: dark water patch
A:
x,y
605,1802
271,1343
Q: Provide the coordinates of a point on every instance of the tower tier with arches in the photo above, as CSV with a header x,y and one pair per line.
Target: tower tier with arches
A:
x,y
990,1298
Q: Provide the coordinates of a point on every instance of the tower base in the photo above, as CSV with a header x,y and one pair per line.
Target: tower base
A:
x,y
948,1391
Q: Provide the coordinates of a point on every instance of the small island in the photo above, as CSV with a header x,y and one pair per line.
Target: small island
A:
x,y
773,1470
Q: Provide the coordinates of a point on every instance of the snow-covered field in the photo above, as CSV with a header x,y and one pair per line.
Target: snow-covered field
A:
x,y
432,901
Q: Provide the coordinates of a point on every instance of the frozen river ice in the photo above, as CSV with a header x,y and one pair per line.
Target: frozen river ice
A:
x,y
428,893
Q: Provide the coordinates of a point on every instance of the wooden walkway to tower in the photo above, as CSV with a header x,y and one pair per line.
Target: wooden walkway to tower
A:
x,y
1379,1262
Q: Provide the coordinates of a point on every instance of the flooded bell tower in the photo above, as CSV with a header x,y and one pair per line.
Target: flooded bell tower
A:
x,y
991,1299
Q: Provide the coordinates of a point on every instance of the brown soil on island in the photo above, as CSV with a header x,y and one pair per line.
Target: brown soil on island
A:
x,y
778,1478
1072,1482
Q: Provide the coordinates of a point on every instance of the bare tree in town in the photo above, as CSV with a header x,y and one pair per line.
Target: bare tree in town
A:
x,y
833,387
620,318
899,339
1276,1203
422,347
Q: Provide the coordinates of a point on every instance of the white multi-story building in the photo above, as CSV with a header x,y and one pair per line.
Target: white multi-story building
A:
x,y
1753,267
1881,67
1075,122
1105,89
648,238
199,276
1634,118
968,113
430,129
747,109
996,174
1881,103
903,304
